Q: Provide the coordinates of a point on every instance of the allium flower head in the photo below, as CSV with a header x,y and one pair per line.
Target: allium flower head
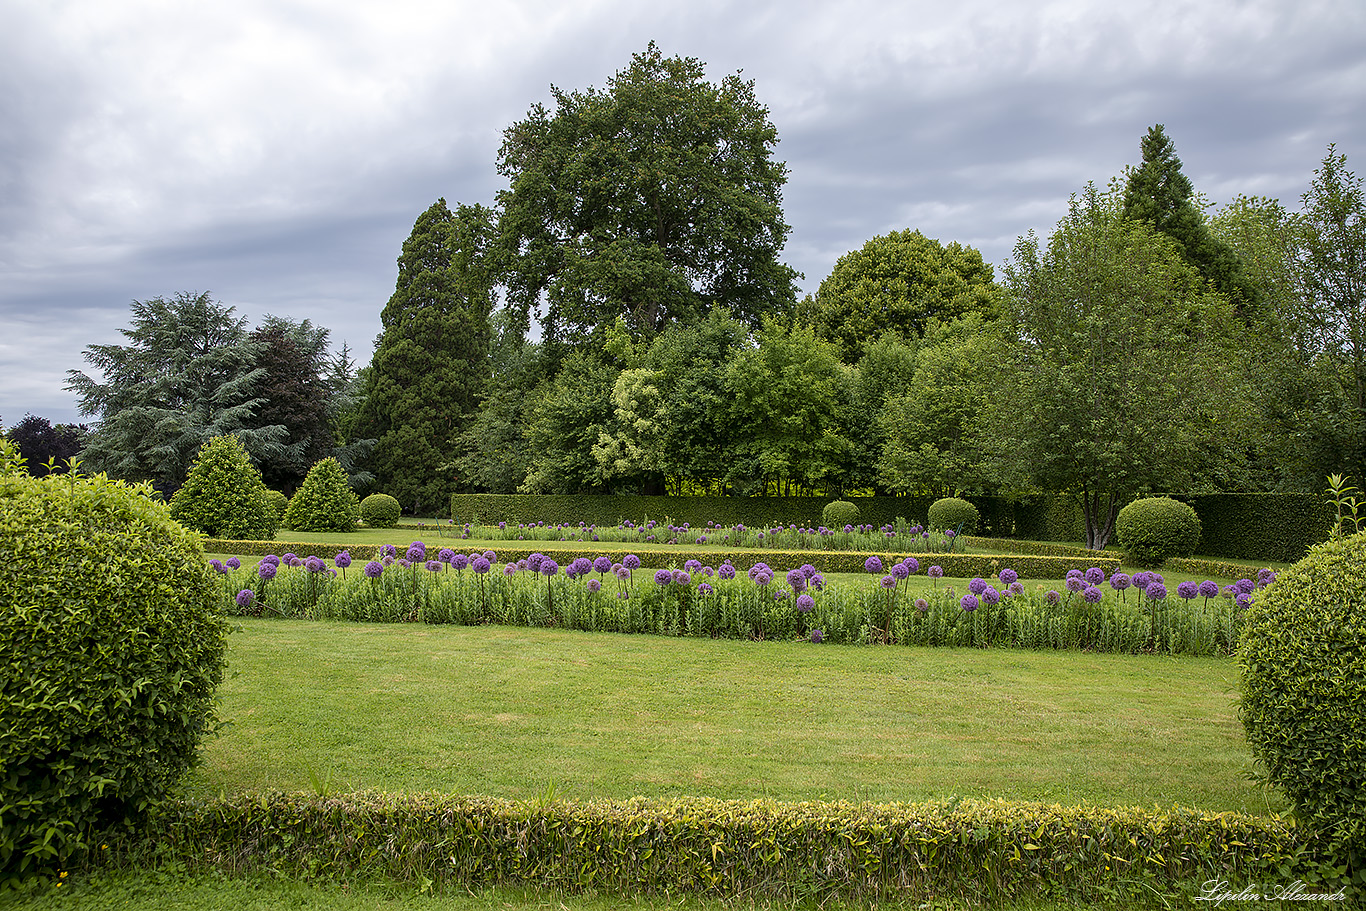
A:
x,y
922,605
1156,591
1209,589
692,566
912,565
234,563
1142,580
1243,600
1120,581
935,572
266,571
510,569
725,571
549,567
594,585
817,636
977,585
218,567
763,578
1264,576
1008,576
244,597
373,569
388,550
704,589
873,565
1188,590
990,595
460,561
403,563
682,577
602,564
968,602
434,566
805,603
1095,575
1245,586
663,577
342,559
1016,588
1053,597
1092,594
631,561
888,581
534,561
1075,583
808,570
480,565
900,571
796,580
315,565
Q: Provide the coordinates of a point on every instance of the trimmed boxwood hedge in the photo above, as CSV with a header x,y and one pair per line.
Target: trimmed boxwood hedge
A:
x,y
852,852
1269,527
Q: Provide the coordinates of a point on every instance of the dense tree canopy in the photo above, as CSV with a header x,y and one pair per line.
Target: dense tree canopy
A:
x,y
431,362
898,283
655,200
188,375
295,395
44,445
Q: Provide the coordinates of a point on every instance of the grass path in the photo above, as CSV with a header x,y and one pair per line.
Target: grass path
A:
x,y
501,711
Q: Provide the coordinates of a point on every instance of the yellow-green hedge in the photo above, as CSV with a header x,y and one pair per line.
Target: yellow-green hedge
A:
x,y
976,849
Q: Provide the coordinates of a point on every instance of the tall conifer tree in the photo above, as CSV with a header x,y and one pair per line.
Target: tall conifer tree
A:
x,y
431,361
1160,195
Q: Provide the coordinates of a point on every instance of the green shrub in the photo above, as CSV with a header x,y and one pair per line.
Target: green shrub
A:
x,y
839,513
1303,666
110,651
949,513
279,503
1155,528
324,502
223,496
379,510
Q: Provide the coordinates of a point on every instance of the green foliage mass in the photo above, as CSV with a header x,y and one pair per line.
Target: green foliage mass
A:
x,y
839,513
431,363
948,513
1154,528
324,502
224,495
1303,666
898,283
110,651
379,510
279,503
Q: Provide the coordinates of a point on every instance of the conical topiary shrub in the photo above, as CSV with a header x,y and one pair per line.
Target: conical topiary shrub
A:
x,y
224,496
324,502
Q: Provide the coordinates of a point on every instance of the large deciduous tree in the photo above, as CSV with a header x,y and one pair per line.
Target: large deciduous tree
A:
x,y
431,361
898,282
654,200
1160,195
188,375
1116,343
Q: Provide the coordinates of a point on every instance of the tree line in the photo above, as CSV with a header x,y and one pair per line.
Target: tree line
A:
x,y
1146,344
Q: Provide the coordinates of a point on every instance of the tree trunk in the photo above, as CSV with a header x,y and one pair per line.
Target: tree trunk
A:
x,y
1100,510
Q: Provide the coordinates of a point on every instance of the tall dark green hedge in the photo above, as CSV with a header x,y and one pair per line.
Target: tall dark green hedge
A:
x,y
1275,527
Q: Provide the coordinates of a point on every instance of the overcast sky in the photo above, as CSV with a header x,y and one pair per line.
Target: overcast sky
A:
x,y
275,153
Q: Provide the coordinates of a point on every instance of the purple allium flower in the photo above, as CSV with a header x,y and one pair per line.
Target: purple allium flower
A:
x,y
510,570
757,568
935,572
403,563
1075,583
725,571
1156,591
949,533
534,561
266,571
663,577
1230,591
704,589
977,585
990,595
460,561
1092,594
488,555
817,582
899,571
549,567
1142,580
873,565
1188,590
388,550
848,529
342,559
623,573
244,598
218,567
805,603
288,559
435,566
602,564
817,636
763,578
480,565
1008,576
594,586
912,565
234,563
1016,588
445,555
922,605
373,569
808,570
388,560
968,602
631,561
1243,600
692,566
1245,586
1053,597
315,564
888,581
796,580
682,577
1209,589
1264,576
1095,575
1120,581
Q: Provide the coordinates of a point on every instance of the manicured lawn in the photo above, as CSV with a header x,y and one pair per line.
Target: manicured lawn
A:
x,y
508,712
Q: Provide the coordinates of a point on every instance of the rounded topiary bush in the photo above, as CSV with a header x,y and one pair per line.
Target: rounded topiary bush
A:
x,y
1302,660
1155,528
839,513
278,502
949,513
325,501
379,510
224,496
111,647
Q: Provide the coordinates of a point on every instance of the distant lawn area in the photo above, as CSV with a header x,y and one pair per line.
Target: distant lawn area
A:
x,y
512,712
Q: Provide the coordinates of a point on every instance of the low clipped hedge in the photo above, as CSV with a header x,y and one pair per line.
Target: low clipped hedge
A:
x,y
963,566
866,852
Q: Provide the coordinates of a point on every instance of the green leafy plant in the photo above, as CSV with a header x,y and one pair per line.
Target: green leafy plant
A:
x,y
1342,497
379,510
839,513
224,495
111,648
1155,528
278,502
324,502
1303,667
954,513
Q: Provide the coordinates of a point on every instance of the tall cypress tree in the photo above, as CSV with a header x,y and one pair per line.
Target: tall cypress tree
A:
x,y
1158,194
431,360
